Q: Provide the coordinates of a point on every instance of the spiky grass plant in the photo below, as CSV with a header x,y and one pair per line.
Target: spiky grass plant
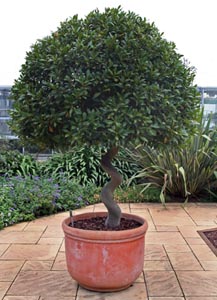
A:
x,y
180,172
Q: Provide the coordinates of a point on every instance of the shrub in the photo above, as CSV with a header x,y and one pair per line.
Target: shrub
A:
x,y
180,172
14,163
83,165
135,194
23,199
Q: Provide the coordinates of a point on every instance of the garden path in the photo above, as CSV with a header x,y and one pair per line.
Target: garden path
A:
x,y
178,265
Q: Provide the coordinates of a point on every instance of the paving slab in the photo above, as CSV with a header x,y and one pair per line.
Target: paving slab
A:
x,y
203,252
60,262
136,291
155,252
4,286
195,240
191,231
21,298
3,248
53,231
30,252
50,241
162,284
202,214
198,283
9,269
35,227
145,213
36,265
165,238
170,215
62,248
166,298
184,261
177,248
57,298
85,209
154,265
209,265
15,227
166,228
201,298
20,237
43,283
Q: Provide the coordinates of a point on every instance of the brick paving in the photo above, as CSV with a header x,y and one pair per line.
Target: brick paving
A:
x,y
178,265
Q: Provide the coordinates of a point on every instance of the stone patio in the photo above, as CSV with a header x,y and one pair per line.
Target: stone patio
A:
x,y
178,264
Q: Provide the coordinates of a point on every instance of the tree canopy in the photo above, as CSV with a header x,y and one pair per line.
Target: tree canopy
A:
x,y
107,79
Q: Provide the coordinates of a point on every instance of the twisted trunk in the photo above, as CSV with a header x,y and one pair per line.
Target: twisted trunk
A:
x,y
107,193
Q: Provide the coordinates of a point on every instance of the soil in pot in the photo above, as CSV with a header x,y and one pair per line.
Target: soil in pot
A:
x,y
98,223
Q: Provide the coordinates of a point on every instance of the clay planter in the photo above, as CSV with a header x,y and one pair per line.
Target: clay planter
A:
x,y
104,260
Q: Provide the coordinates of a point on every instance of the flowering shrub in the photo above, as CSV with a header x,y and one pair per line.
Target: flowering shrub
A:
x,y
23,199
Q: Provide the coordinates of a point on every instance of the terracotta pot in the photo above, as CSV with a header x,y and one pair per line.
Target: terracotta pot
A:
x,y
104,260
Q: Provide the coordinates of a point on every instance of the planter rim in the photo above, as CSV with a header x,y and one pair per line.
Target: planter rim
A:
x,y
104,235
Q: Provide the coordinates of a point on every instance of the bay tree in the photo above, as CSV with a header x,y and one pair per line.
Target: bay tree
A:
x,y
108,79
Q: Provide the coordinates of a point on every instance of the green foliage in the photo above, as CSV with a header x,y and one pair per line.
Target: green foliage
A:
x,y
15,163
185,172
136,194
83,164
107,79
10,145
4,144
212,188
23,199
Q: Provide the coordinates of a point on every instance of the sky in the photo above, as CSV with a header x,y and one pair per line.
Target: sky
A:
x,y
190,24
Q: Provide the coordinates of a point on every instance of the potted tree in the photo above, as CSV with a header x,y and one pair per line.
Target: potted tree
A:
x,y
108,79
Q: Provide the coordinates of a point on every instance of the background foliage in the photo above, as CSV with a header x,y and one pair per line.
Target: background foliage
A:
x,y
15,163
183,172
25,198
83,164
69,180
